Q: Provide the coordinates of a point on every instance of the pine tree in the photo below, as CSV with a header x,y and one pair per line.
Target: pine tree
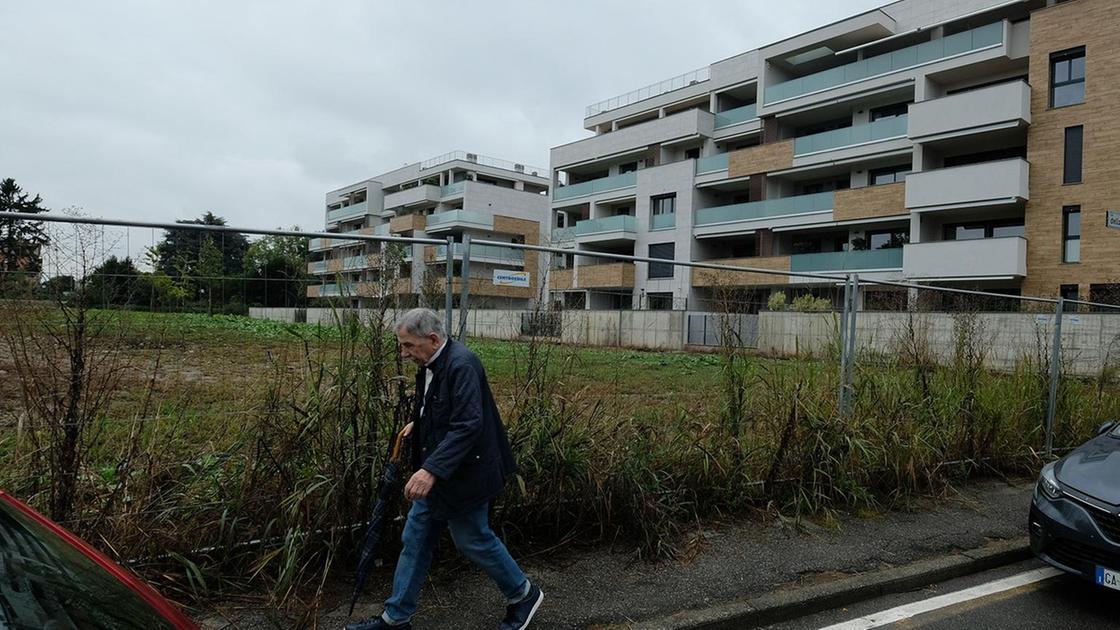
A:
x,y
20,241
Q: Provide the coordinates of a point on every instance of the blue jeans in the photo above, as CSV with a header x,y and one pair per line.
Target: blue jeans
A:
x,y
473,537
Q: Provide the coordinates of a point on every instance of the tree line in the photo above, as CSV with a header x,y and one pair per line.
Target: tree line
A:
x,y
187,269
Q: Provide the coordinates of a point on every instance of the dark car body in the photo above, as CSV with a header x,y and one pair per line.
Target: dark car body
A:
x,y
1075,514
50,578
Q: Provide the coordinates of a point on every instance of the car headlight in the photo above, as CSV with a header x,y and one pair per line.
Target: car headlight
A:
x,y
1048,483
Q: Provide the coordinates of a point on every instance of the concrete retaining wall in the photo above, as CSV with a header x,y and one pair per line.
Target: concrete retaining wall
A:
x,y
1089,341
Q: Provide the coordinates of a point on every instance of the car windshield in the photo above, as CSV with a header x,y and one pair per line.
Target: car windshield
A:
x,y
47,583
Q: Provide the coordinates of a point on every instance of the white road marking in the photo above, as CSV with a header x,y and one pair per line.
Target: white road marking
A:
x,y
942,601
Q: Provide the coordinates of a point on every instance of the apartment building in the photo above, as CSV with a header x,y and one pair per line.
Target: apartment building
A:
x,y
455,194
962,143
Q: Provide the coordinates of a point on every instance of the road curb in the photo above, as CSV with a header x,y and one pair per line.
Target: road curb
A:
x,y
783,605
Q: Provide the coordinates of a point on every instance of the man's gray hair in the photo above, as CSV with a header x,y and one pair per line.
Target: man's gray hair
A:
x,y
421,322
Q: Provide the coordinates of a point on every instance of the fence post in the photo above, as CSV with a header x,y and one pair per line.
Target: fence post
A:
x,y
1055,374
447,302
843,340
465,292
848,341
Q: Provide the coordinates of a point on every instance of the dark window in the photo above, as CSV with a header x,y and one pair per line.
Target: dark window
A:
x,y
1071,173
989,229
665,204
838,123
659,301
817,244
986,156
692,154
1067,77
814,187
1071,234
888,239
628,167
575,300
889,111
661,250
1069,291
888,175
1105,294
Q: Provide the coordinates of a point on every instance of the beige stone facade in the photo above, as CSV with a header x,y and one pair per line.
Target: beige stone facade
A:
x,y
760,159
1092,24
718,277
870,202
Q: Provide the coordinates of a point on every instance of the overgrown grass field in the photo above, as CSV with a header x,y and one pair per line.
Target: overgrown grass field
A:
x,y
231,454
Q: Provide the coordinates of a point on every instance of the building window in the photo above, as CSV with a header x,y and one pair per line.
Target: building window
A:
x,y
659,301
661,250
888,175
1067,77
889,111
1104,294
888,239
1071,234
692,154
664,204
1071,170
991,229
1068,291
628,167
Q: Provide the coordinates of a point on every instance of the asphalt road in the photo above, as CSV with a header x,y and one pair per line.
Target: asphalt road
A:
x,y
1023,596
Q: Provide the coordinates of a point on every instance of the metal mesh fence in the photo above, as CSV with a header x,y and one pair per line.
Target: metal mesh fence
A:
x,y
240,385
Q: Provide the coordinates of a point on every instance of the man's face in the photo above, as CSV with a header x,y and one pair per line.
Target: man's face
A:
x,y
417,349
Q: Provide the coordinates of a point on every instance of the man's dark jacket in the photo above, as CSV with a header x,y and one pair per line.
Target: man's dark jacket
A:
x,y
460,438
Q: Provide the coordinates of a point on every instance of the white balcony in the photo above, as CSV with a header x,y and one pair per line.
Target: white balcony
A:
x,y
693,123
982,258
999,183
1003,106
413,196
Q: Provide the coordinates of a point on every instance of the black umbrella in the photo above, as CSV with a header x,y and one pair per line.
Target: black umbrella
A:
x,y
387,494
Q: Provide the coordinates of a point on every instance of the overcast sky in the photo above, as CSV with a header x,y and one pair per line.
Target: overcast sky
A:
x,y
253,110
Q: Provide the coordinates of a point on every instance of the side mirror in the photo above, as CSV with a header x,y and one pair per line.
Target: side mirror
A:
x,y
1106,427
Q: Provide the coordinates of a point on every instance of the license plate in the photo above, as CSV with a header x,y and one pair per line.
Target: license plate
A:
x,y
1108,578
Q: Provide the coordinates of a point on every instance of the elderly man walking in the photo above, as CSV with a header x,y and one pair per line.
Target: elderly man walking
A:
x,y
462,458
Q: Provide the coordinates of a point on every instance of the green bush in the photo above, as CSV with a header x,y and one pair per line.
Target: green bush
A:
x,y
777,301
811,304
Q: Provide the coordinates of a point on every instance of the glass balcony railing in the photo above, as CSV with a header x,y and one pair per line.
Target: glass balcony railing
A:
x,y
881,129
318,266
603,184
737,115
956,44
441,219
333,290
355,262
496,252
663,221
622,222
381,230
801,204
848,261
452,189
711,164
349,212
563,235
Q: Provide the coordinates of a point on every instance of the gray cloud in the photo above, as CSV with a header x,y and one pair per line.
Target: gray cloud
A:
x,y
253,110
